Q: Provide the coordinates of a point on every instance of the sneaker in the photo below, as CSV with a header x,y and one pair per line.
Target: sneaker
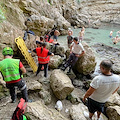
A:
x,y
13,101
86,114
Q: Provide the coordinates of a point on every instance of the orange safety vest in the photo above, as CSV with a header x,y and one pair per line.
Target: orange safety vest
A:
x,y
43,57
46,39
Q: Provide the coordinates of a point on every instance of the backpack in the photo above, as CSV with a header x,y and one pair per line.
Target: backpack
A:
x,y
19,111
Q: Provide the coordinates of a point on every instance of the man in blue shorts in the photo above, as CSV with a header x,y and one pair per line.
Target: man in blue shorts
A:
x,y
101,88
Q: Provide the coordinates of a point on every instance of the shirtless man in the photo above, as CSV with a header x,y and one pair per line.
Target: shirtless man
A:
x,y
81,34
116,39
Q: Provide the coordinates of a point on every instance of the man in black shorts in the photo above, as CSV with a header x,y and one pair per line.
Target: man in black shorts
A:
x,y
101,88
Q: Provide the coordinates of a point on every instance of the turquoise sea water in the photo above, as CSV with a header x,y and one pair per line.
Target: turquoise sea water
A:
x,y
93,36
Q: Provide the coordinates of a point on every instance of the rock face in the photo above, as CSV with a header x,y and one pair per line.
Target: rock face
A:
x,y
113,107
38,111
55,61
110,53
60,84
43,15
113,112
77,113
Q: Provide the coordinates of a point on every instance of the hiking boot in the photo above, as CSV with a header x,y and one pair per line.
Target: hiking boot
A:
x,y
13,101
69,71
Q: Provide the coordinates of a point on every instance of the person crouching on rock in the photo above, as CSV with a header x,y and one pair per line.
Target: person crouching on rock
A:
x,y
43,58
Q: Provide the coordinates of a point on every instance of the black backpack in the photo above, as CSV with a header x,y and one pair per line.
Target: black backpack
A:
x,y
19,111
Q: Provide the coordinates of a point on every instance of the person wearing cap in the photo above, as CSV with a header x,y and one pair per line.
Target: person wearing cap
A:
x,y
12,70
101,88
76,51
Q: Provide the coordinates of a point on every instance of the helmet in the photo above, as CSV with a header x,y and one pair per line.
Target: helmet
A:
x,y
7,51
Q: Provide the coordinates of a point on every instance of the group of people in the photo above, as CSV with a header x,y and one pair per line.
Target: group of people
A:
x,y
101,87
115,39
76,49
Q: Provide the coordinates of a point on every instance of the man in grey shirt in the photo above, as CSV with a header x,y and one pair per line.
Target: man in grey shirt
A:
x,y
101,88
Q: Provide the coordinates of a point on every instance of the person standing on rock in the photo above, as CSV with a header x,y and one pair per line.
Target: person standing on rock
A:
x,y
56,34
76,51
69,37
12,70
81,34
43,58
101,88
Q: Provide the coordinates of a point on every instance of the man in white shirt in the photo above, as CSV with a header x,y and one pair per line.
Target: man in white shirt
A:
x,y
101,88
76,50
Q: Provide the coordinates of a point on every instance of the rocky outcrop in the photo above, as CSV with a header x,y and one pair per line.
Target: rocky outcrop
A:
x,y
38,111
60,84
113,107
55,61
43,15
113,112
111,53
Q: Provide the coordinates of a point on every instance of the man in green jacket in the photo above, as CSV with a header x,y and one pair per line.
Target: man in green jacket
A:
x,y
12,70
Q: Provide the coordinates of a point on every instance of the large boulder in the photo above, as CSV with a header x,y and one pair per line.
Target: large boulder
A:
x,y
113,107
38,111
57,50
113,112
55,61
60,84
113,100
77,112
86,64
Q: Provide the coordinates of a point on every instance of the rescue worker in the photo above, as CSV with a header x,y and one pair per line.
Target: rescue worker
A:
x,y
12,70
43,58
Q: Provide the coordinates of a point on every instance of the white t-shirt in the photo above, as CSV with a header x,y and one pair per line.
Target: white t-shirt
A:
x,y
77,48
105,86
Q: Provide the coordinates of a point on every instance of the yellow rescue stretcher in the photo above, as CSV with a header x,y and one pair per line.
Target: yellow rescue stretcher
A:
x,y
24,50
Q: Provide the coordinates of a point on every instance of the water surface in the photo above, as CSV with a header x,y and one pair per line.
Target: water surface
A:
x,y
93,36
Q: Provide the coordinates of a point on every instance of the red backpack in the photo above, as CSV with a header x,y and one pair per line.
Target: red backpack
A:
x,y
19,111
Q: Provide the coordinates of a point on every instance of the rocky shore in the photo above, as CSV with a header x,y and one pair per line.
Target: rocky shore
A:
x,y
45,92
